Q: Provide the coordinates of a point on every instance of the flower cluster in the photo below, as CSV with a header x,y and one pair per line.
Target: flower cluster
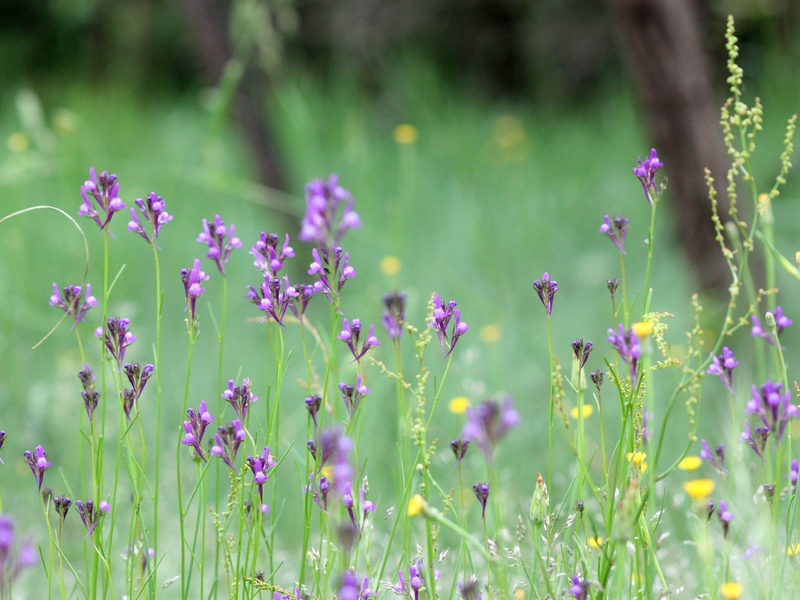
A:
x,y
260,466
329,213
627,346
227,441
442,315
774,408
71,303
723,366
335,447
15,555
154,212
489,422
195,428
90,515
38,463
105,192
327,271
616,229
350,335
274,297
395,314
137,377
546,289
646,172
240,397
352,395
89,394
192,280
781,322
116,337
269,259
221,241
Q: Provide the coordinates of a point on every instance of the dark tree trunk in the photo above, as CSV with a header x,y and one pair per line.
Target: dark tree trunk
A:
x,y
208,24
661,43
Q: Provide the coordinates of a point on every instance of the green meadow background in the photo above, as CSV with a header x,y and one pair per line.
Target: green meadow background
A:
x,y
492,194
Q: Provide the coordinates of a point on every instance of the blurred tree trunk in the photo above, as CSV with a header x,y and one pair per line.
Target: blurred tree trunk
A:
x,y
207,21
661,44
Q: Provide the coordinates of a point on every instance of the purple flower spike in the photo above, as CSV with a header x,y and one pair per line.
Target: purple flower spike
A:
x,y
116,337
320,492
90,515
240,397
71,303
273,297
336,447
15,556
546,288
716,460
489,422
220,240
329,213
269,260
195,428
582,350
138,377
459,448
781,323
2,441
155,214
227,441
192,280
350,336
482,494
89,394
38,464
442,315
62,504
616,229
395,315
773,407
351,588
313,404
725,517
105,192
353,395
329,271
794,470
260,466
757,439
646,172
723,366
627,346
580,588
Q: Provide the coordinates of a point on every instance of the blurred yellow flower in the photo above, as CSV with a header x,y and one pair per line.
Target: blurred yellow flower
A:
x,y
731,591
588,409
636,458
698,489
519,594
405,134
594,542
490,334
327,472
690,463
797,257
793,550
390,265
416,506
18,142
458,405
643,329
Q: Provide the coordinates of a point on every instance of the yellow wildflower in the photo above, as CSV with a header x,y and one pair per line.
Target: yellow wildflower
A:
x,y
594,542
490,334
416,506
642,329
390,265
690,463
458,405
636,458
519,594
793,550
588,409
18,142
731,591
699,489
405,134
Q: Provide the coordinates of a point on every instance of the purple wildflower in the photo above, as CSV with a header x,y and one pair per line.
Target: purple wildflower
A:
x,y
546,288
116,337
192,280
260,466
154,212
329,213
70,302
758,441
138,377
353,395
221,241
335,447
273,297
781,323
482,494
442,315
105,192
717,460
300,301
616,229
613,286
89,394
794,469
395,314
329,271
62,504
489,422
725,517
774,408
351,588
240,397
195,428
269,260
91,515
313,404
2,441
469,590
597,378
580,588
227,441
646,171
627,346
581,350
15,556
459,448
415,580
38,464
320,492
723,366
350,336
